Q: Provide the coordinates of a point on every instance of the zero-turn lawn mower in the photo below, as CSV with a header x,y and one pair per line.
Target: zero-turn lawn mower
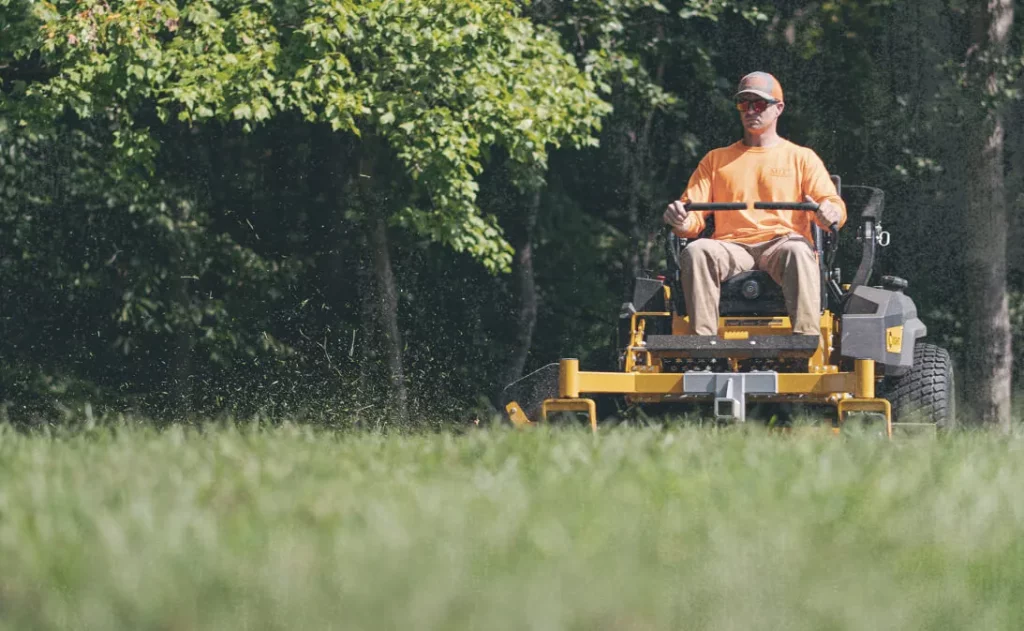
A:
x,y
868,359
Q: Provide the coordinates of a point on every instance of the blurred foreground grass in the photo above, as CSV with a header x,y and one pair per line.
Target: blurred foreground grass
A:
x,y
292,528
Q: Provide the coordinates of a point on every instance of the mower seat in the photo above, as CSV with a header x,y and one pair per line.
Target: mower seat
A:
x,y
747,294
751,293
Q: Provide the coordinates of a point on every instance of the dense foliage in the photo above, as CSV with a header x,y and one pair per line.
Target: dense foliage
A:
x,y
333,205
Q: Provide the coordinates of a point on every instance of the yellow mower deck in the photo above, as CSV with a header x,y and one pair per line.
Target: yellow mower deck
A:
x,y
655,374
848,391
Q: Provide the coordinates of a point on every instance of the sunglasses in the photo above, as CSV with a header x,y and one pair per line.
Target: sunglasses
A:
x,y
756,106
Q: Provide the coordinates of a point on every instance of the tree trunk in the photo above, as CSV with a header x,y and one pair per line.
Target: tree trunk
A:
x,y
527,319
989,359
387,303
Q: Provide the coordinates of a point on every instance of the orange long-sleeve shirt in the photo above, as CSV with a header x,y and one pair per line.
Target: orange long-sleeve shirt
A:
x,y
782,173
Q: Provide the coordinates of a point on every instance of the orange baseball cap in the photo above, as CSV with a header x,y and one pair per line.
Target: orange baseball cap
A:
x,y
762,84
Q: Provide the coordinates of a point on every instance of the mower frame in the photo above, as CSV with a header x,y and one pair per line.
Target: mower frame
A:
x,y
866,333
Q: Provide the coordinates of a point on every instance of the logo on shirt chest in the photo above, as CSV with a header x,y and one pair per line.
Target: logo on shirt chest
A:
x,y
780,172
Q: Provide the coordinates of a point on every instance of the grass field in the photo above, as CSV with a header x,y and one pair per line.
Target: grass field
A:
x,y
292,528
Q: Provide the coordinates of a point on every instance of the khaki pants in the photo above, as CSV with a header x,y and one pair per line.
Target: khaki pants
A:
x,y
790,261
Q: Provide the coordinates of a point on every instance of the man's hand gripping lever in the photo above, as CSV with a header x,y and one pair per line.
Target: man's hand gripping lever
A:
x,y
676,214
828,213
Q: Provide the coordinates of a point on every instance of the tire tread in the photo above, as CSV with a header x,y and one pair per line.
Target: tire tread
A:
x,y
926,393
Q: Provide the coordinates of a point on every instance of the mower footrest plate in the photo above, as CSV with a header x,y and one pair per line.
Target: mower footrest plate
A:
x,y
754,347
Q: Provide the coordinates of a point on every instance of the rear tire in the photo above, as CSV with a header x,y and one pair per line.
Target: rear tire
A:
x,y
927,392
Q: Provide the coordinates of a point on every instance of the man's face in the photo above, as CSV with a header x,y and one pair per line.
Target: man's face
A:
x,y
757,114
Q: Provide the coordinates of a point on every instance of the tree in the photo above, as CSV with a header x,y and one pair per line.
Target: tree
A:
x,y
266,204
425,89
988,343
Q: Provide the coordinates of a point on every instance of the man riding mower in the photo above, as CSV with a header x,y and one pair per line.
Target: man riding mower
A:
x,y
762,314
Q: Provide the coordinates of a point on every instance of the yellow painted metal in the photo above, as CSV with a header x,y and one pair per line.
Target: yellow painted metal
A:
x,y
863,399
736,335
778,325
569,378
631,383
570,405
879,406
821,360
638,328
672,383
865,385
516,415
894,339
754,325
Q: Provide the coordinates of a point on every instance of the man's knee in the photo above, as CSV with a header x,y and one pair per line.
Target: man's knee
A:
x,y
798,252
699,253
797,246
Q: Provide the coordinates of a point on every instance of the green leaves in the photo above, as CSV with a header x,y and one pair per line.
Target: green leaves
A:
x,y
451,78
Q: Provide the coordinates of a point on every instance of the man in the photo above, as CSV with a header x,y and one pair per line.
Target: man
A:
x,y
763,167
